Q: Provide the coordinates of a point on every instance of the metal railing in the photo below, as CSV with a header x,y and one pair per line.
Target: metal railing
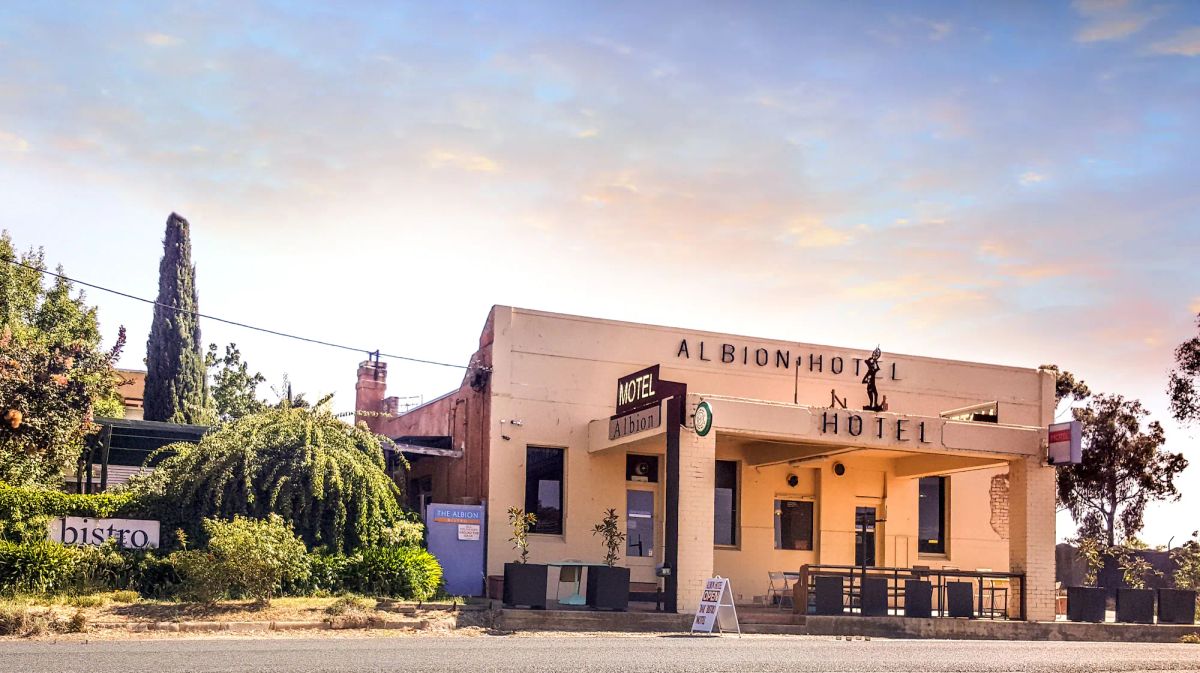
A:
x,y
996,595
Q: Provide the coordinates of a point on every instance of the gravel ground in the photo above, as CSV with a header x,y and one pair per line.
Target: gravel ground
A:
x,y
378,651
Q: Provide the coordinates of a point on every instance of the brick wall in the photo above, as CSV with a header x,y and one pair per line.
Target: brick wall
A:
x,y
697,481
998,495
1031,533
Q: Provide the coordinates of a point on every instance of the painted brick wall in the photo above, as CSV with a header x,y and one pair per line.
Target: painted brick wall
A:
x,y
697,481
1031,533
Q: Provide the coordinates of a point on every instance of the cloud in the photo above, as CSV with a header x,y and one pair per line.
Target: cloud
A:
x,y
161,40
1031,178
813,233
474,163
10,142
1184,43
1109,20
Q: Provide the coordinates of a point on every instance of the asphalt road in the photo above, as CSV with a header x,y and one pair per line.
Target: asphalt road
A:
x,y
585,653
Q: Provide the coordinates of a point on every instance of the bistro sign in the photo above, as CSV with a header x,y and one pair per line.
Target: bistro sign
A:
x,y
129,533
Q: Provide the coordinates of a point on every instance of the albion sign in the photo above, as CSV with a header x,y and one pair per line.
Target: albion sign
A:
x,y
778,358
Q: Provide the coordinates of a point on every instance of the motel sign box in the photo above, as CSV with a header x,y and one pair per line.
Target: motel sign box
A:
x,y
129,533
1065,443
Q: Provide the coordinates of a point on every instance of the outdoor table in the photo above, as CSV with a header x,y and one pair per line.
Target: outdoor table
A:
x,y
575,598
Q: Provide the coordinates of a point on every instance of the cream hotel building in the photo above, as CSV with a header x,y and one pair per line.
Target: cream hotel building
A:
x,y
782,467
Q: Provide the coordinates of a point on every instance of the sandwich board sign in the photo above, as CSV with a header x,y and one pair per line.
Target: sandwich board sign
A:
x,y
716,608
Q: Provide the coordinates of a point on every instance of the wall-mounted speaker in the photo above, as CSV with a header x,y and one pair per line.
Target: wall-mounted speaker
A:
x,y
792,480
839,469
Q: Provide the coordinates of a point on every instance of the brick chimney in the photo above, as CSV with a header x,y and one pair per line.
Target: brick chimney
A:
x,y
369,391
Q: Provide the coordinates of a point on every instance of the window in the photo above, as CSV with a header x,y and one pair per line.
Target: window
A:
x,y
794,524
931,524
725,516
544,489
988,412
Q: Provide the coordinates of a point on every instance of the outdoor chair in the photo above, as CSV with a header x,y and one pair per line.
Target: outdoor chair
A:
x,y
778,589
993,588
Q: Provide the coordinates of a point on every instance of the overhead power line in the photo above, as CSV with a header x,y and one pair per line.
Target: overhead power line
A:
x,y
368,351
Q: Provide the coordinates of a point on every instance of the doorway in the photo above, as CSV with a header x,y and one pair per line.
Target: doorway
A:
x,y
641,531
864,536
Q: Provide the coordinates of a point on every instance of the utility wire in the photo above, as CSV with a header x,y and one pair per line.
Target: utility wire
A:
x,y
233,322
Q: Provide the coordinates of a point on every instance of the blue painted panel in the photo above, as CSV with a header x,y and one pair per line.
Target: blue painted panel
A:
x,y
450,529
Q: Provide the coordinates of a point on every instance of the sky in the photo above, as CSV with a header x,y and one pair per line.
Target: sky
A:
x,y
1003,182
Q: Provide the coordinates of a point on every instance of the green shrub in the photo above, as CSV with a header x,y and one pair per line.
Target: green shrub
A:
x,y
201,577
155,576
347,604
25,512
323,476
398,572
104,567
326,576
36,567
408,532
256,556
125,597
87,600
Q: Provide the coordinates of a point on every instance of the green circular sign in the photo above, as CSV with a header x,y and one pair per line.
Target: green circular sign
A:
x,y
702,421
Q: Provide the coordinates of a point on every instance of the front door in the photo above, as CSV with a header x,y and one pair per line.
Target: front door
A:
x,y
641,532
864,536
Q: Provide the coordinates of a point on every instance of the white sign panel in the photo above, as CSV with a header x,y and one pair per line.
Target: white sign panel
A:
x,y
1066,444
716,608
129,533
468,531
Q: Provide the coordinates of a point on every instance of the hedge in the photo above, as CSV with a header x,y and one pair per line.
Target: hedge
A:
x,y
25,512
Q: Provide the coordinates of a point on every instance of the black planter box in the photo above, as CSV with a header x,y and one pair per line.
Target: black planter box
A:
x,y
1135,606
608,588
960,598
874,599
1176,606
525,584
1086,604
829,595
918,598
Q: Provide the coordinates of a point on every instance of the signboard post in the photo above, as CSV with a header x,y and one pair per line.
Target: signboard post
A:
x,y
716,608
1065,443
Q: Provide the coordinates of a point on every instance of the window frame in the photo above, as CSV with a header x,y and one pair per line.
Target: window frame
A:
x,y
778,522
562,491
736,513
923,545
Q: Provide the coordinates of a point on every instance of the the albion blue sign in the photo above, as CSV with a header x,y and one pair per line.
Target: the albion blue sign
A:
x,y
777,358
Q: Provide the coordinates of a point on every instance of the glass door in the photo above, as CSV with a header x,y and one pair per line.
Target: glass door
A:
x,y
641,532
864,536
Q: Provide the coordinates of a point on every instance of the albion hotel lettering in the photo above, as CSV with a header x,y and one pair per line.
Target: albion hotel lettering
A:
x,y
850,423
779,358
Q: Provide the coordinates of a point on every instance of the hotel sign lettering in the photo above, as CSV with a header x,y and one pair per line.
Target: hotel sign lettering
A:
x,y
778,358
639,390
879,428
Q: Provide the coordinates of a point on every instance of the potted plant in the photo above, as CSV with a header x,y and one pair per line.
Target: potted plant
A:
x,y
1178,605
524,582
608,585
1087,603
1135,603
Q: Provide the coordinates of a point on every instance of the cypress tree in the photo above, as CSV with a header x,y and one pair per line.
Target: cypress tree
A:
x,y
176,386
